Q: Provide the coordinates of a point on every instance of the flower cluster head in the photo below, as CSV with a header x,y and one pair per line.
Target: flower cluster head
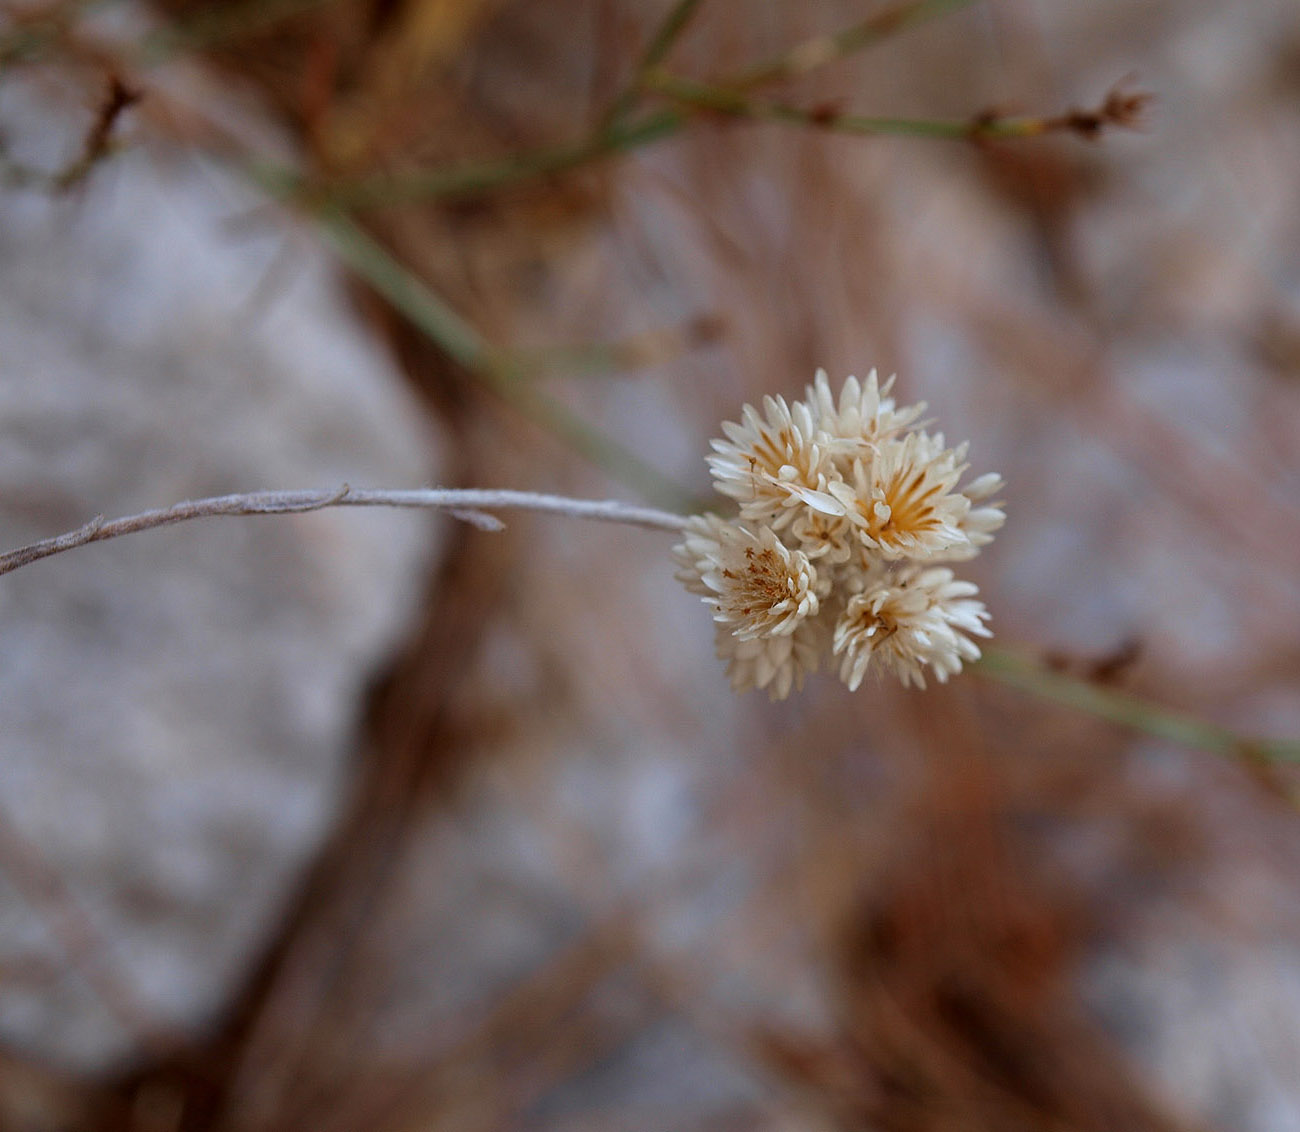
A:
x,y
850,514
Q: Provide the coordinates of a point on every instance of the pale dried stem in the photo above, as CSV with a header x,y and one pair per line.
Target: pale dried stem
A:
x,y
469,505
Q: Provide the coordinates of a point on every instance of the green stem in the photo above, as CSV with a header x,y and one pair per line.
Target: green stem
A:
x,y
675,22
406,291
471,180
670,30
726,100
1131,711
823,49
616,136
417,302
603,358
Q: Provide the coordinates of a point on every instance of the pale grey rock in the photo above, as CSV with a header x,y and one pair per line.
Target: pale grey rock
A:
x,y
177,705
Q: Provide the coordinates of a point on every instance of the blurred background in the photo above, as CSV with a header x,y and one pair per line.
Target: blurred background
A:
x,y
376,821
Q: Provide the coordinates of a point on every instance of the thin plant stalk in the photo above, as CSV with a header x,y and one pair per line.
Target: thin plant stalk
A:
x,y
474,179
822,49
1030,675
618,132
469,505
675,22
1119,109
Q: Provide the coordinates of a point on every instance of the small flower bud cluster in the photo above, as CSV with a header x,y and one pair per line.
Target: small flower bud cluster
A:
x,y
849,514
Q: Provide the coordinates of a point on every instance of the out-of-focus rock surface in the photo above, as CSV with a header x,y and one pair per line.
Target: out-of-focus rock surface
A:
x,y
177,706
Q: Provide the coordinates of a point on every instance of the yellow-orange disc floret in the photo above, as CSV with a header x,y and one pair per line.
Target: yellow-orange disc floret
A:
x,y
904,501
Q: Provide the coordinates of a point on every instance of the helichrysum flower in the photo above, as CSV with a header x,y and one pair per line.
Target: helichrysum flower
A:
x,y
983,519
909,619
824,536
763,457
755,584
903,499
847,509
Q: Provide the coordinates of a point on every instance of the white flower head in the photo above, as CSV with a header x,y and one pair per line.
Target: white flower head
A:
x,y
763,457
755,584
823,537
847,508
903,499
920,618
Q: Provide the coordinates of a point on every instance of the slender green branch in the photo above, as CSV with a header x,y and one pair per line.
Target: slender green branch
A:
x,y
616,135
822,49
465,345
406,291
1118,109
480,177
600,359
675,21
416,301
1030,675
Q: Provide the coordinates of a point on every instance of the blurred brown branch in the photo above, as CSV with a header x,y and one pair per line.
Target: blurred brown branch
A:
x,y
1119,109
117,100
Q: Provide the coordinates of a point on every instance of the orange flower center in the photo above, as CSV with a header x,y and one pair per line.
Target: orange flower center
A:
x,y
759,585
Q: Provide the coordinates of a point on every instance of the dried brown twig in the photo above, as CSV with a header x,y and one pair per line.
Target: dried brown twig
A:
x,y
119,98
1120,109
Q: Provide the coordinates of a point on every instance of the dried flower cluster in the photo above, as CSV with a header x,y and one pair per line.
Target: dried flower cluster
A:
x,y
849,513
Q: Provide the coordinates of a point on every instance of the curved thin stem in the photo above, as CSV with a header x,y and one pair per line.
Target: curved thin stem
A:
x,y
468,505
380,190
669,31
1032,676
822,49
471,505
1119,109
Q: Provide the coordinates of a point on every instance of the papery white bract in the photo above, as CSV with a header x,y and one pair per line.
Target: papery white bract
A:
x,y
764,455
864,414
776,664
